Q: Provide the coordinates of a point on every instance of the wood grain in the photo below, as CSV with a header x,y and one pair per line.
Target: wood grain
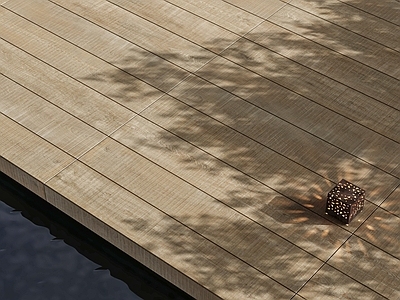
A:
x,y
392,204
141,32
222,13
377,20
364,262
202,137
61,90
77,63
368,51
27,158
104,44
46,120
203,214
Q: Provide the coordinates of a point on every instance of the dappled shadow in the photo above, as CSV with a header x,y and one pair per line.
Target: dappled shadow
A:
x,y
231,277
63,272
364,262
284,211
333,284
382,231
264,129
274,124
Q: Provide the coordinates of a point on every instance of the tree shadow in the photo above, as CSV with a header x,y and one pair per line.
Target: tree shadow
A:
x,y
267,112
62,265
229,275
265,129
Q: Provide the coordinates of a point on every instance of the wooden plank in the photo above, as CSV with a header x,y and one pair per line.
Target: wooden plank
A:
x,y
247,240
238,191
102,43
356,20
158,241
21,176
382,230
61,90
76,62
371,179
258,7
46,120
219,186
332,284
27,158
181,22
385,9
291,179
368,264
392,204
265,122
224,14
278,54
303,113
141,32
312,85
337,38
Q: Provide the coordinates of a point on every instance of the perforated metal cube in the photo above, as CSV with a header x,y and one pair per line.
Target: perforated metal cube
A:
x,y
345,201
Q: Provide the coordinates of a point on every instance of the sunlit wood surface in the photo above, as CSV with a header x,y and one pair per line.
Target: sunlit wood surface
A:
x,y
201,137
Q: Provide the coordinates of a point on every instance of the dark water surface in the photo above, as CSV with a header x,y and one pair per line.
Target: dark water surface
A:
x,y
44,254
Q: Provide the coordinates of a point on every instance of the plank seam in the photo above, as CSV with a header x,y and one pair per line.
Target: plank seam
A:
x,y
221,123
215,119
203,113
45,183
221,54
75,160
119,233
354,32
223,203
335,51
297,93
176,220
354,233
368,12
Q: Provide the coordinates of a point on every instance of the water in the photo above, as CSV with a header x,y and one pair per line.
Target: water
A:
x,y
44,254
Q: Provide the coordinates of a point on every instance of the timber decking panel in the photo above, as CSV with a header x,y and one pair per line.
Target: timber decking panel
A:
x,y
46,120
326,68
27,158
339,39
76,62
382,220
357,20
61,90
259,8
218,223
134,226
348,136
110,47
180,22
139,31
267,129
201,137
392,203
221,13
251,157
333,284
250,196
367,263
297,79
387,9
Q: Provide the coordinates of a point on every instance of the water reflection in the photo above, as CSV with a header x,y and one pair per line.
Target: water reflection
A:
x,y
61,260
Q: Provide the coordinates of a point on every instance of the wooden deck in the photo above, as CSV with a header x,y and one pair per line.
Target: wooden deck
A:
x,y
201,137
